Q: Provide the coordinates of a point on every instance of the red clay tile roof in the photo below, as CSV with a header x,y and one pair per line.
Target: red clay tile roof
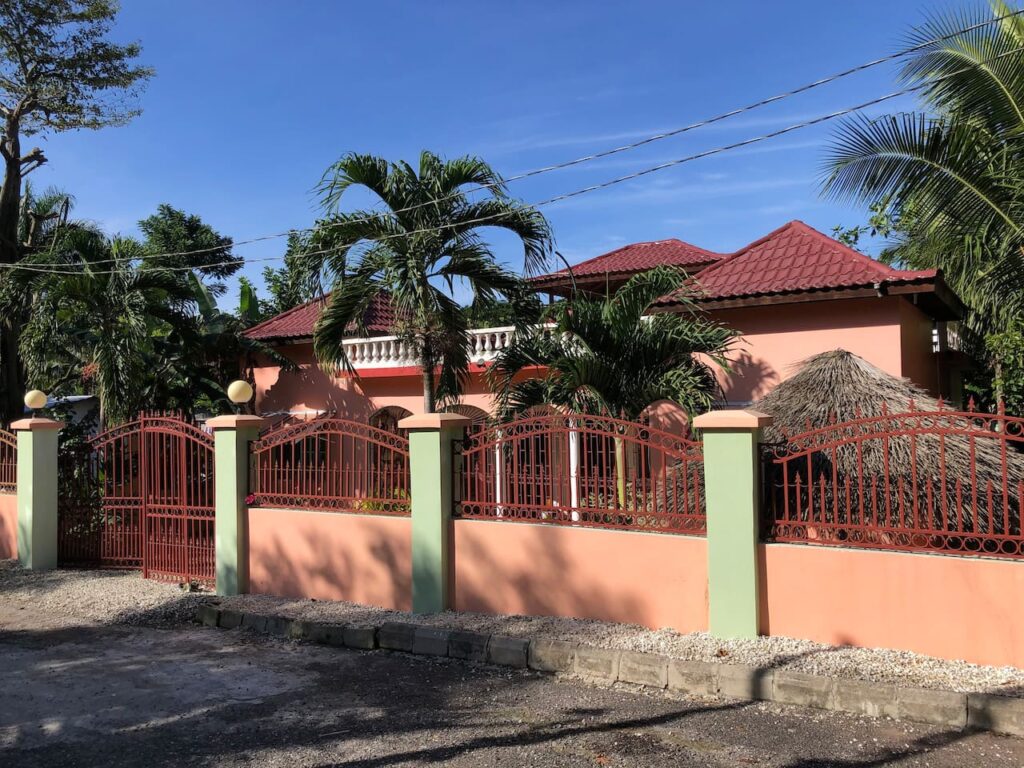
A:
x,y
795,258
637,258
298,322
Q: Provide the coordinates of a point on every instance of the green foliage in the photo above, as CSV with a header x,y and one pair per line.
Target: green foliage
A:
x,y
127,329
177,239
94,327
610,356
424,242
880,224
295,283
58,70
952,176
1006,353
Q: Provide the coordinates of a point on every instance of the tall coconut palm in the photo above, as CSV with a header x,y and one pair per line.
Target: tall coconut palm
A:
x,y
95,323
612,357
422,243
952,176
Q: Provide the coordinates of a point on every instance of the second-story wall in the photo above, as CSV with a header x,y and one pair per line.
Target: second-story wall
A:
x,y
310,388
888,332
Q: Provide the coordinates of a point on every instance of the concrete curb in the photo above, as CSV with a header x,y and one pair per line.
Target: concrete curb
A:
x,y
982,711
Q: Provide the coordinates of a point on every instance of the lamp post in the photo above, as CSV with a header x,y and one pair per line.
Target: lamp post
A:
x,y
36,399
240,392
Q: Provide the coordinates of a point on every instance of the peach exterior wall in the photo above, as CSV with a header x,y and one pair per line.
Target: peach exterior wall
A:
x,y
310,388
331,556
946,606
889,332
8,526
919,363
638,578
775,339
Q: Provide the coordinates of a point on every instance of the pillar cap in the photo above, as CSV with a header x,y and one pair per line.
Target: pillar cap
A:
x,y
434,421
235,421
35,424
736,419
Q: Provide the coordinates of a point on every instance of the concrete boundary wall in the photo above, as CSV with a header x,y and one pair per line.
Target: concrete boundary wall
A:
x,y
360,558
655,580
8,526
950,606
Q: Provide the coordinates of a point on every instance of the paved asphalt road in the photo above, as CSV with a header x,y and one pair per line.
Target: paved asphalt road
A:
x,y
73,694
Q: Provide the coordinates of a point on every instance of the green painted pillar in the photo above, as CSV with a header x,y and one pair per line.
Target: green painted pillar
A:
x,y
231,438
37,492
431,489
732,493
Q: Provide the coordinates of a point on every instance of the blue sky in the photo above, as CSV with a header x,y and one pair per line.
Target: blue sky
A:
x,y
253,100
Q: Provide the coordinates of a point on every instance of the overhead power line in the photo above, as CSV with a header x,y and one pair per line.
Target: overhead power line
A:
x,y
45,268
620,149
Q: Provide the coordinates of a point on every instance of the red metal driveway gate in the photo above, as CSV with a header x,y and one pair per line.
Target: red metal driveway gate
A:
x,y
140,495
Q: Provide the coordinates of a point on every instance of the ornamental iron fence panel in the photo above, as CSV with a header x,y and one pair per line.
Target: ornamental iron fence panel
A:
x,y
8,462
331,464
581,470
923,480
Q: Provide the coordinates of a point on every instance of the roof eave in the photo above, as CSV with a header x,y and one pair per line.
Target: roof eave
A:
x,y
943,304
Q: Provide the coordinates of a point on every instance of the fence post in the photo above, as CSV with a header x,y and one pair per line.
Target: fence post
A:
x,y
431,488
37,492
231,438
732,490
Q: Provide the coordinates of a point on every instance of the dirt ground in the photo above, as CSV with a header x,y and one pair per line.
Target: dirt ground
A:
x,y
75,692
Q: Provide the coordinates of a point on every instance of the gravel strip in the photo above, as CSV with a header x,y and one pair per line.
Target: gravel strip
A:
x,y
879,665
104,597
118,597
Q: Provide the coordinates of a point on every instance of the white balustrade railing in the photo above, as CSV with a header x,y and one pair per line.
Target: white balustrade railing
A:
x,y
391,352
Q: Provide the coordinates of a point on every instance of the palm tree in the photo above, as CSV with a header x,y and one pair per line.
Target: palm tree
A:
x,y
952,178
95,320
200,357
413,251
612,357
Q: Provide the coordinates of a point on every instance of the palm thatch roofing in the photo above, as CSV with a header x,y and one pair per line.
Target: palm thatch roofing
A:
x,y
965,466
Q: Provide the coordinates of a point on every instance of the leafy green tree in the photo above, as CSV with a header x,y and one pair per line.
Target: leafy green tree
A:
x,y
424,241
952,176
199,359
186,243
294,283
94,327
612,357
58,72
250,310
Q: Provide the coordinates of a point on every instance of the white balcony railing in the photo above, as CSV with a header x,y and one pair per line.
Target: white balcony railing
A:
x,y
390,352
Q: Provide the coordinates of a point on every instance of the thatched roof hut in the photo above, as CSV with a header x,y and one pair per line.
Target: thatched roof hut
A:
x,y
888,443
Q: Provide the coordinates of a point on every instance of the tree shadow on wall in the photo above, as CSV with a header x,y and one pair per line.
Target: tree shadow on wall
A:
x,y
544,580
316,389
748,378
380,577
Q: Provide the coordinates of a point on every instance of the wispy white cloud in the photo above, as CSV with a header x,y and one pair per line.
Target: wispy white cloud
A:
x,y
682,221
669,192
788,208
628,161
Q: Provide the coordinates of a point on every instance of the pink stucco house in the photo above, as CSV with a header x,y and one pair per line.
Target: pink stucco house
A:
x,y
791,294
